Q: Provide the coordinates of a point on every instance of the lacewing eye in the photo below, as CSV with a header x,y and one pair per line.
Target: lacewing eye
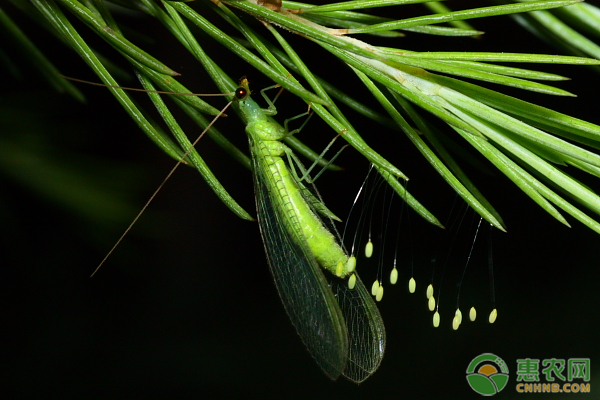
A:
x,y
241,93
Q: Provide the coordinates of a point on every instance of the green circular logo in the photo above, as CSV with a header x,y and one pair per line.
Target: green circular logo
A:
x,y
487,374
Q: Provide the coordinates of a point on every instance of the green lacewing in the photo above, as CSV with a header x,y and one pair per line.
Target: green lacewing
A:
x,y
328,304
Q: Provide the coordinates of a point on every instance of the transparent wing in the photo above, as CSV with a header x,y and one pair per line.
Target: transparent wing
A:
x,y
304,291
366,331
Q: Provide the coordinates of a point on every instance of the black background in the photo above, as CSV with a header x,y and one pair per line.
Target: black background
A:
x,y
186,306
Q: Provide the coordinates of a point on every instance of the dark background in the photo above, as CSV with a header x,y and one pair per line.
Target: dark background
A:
x,y
186,306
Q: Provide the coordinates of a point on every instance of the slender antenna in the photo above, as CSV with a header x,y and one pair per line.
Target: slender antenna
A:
x,y
160,187
142,90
